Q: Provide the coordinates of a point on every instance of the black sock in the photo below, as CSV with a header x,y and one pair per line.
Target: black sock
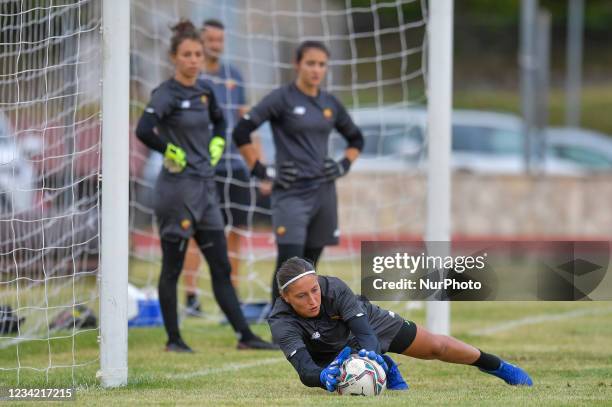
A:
x,y
486,361
192,300
173,255
312,254
246,335
214,248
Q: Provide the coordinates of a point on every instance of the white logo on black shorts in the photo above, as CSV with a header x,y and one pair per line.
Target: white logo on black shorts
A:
x,y
299,110
185,104
315,335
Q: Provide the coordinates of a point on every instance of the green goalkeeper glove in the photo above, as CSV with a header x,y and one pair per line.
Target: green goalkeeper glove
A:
x,y
174,158
215,149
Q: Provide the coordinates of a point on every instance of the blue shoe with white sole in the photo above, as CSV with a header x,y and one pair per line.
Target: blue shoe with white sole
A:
x,y
511,374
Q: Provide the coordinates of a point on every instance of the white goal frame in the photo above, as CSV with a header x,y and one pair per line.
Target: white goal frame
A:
x,y
115,192
439,112
115,170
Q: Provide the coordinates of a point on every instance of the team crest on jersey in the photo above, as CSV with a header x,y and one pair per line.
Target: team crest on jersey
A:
x,y
185,223
185,104
230,84
328,113
299,110
315,335
204,99
281,230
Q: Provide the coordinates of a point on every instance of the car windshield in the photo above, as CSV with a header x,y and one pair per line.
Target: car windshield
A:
x,y
488,140
584,156
386,140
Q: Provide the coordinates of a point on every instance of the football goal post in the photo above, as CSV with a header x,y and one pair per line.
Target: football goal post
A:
x,y
76,186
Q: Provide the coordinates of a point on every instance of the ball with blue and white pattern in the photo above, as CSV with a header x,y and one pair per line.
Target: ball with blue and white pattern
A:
x,y
360,376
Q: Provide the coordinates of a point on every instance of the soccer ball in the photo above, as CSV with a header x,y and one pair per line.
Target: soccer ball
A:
x,y
361,377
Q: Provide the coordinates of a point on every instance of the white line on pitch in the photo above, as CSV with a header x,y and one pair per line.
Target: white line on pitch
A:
x,y
230,367
506,326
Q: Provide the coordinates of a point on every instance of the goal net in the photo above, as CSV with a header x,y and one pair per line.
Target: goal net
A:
x,y
50,154
49,169
376,68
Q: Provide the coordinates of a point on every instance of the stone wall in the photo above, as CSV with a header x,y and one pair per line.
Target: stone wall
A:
x,y
482,205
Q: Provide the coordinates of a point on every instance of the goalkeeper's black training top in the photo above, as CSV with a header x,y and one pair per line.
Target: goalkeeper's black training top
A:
x,y
345,319
301,126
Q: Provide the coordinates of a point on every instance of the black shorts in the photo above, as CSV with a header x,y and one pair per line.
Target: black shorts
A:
x,y
306,214
184,205
404,337
236,195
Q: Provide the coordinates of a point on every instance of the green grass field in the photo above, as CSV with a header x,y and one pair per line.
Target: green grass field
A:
x,y
566,347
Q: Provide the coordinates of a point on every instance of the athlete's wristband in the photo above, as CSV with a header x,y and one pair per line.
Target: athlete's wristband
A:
x,y
346,164
262,172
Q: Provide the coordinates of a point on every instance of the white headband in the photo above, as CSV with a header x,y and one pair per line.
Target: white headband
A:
x,y
296,278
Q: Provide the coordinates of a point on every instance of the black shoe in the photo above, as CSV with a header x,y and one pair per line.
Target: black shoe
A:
x,y
257,343
178,346
195,312
193,308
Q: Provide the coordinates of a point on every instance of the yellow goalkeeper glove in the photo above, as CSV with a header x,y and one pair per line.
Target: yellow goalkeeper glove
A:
x,y
215,149
175,159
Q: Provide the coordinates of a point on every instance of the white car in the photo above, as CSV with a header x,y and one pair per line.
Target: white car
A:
x,y
394,139
589,149
16,172
482,142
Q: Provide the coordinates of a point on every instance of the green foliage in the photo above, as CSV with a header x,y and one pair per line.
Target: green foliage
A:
x,y
598,13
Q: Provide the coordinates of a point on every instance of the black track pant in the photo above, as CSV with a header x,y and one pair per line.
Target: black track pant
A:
x,y
214,248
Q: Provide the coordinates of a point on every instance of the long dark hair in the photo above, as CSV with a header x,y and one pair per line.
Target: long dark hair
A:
x,y
183,30
290,269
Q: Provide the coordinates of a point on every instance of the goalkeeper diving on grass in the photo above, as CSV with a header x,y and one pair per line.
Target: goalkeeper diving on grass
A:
x,y
177,122
318,322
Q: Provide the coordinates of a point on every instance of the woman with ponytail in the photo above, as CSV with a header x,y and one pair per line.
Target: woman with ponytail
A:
x,y
177,123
